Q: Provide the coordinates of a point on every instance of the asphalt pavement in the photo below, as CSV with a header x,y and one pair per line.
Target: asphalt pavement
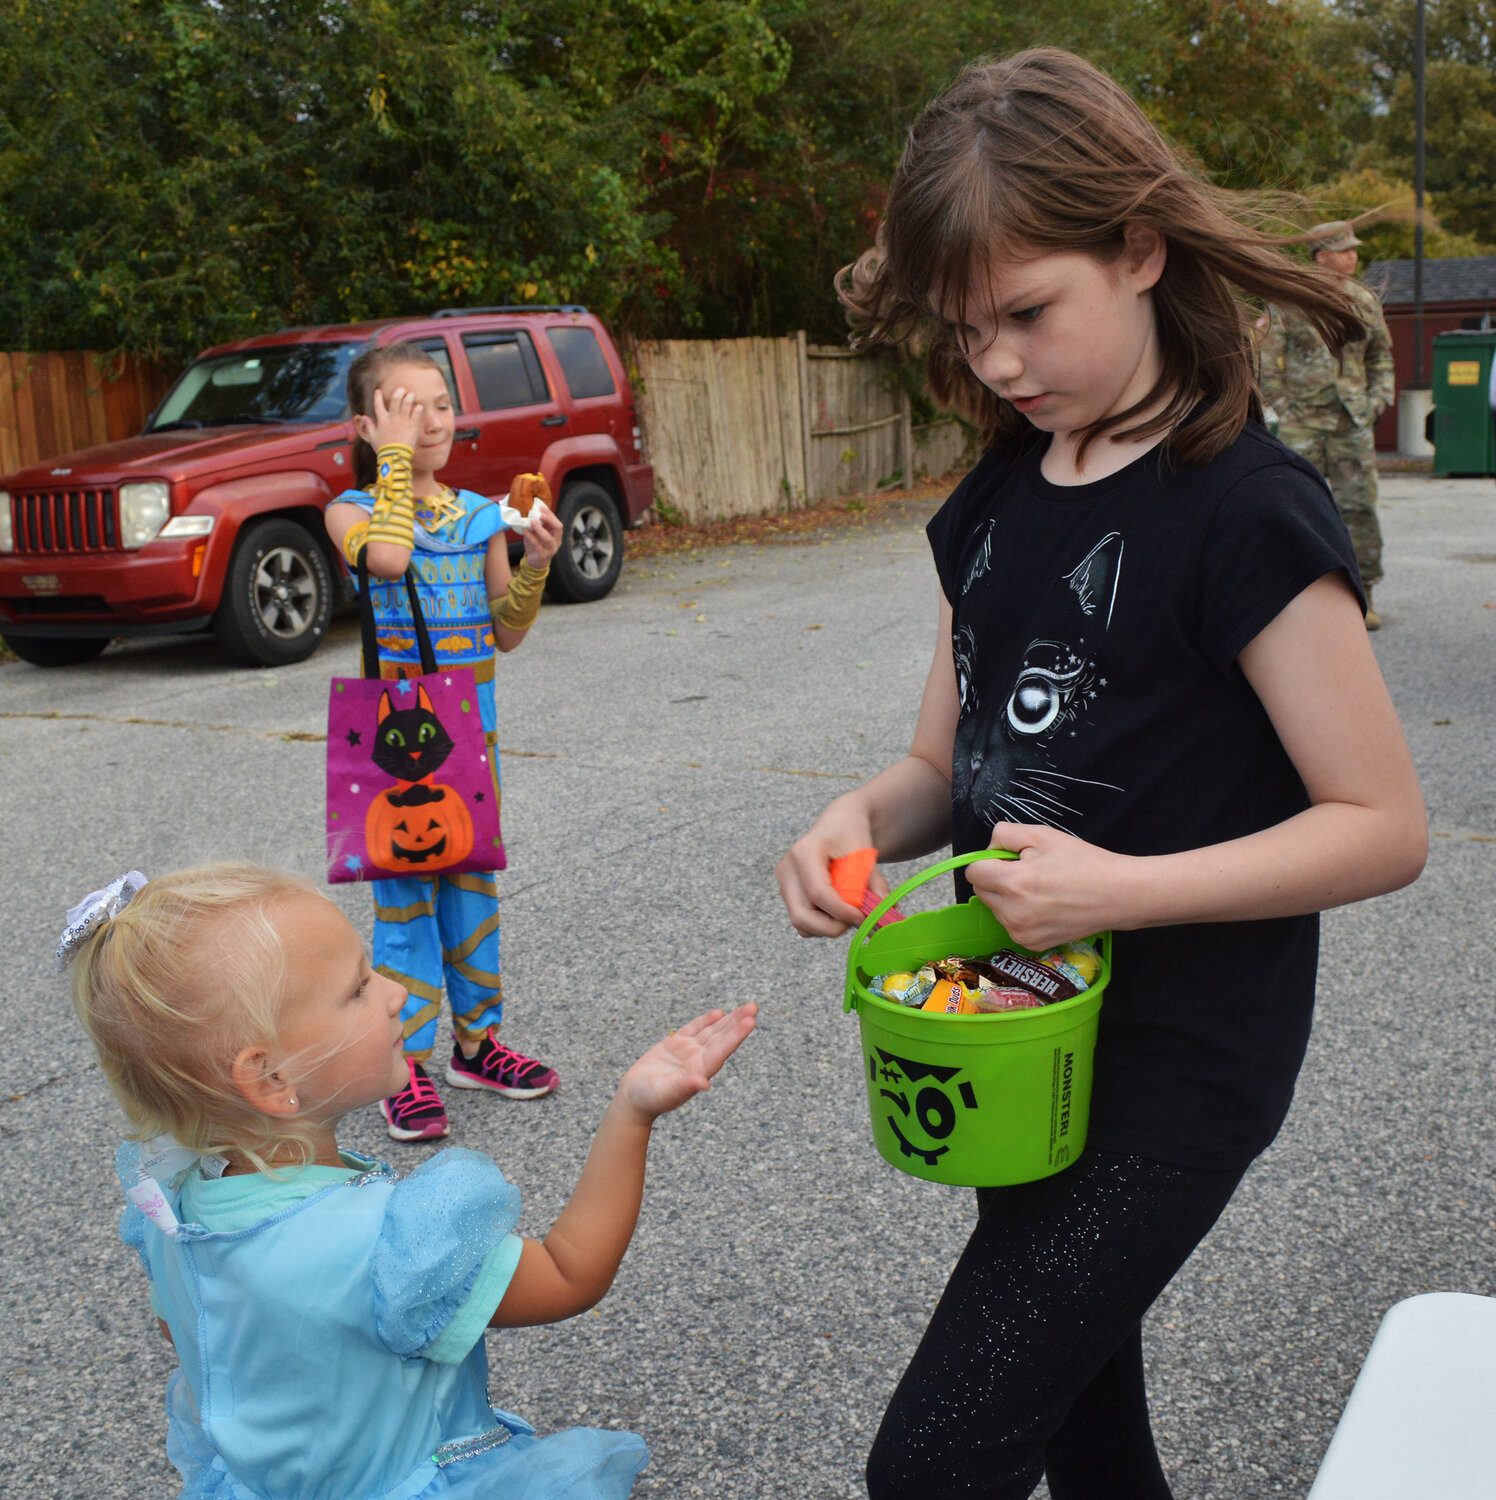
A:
x,y
659,750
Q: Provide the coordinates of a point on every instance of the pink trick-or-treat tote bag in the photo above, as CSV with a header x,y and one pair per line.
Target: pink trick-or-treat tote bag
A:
x,y
410,789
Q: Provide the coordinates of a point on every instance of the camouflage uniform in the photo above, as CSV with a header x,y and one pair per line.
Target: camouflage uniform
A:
x,y
1326,409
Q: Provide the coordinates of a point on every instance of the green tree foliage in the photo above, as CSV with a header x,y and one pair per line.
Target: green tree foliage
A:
x,y
1460,154
1460,104
1389,236
1239,83
173,172
785,205
1382,35
1242,84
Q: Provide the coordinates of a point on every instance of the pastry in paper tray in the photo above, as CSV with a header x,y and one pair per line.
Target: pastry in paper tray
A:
x,y
528,493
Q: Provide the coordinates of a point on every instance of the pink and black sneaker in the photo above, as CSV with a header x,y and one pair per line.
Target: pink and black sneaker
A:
x,y
497,1067
415,1113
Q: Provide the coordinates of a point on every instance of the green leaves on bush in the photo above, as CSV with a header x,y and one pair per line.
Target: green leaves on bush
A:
x,y
176,172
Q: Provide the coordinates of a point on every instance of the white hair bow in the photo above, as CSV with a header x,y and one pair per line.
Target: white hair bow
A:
x,y
93,911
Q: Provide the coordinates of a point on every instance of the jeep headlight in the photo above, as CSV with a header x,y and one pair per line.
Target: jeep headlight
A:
x,y
144,509
7,533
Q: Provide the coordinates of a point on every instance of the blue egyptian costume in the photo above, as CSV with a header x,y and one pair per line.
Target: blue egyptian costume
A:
x,y
435,929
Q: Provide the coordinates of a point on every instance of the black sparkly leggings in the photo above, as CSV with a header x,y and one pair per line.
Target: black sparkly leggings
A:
x,y
1033,1362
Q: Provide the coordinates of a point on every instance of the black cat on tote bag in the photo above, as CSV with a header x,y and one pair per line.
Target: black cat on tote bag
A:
x,y
410,788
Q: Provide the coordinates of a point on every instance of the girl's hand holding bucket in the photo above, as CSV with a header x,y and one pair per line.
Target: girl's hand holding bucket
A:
x,y
1058,890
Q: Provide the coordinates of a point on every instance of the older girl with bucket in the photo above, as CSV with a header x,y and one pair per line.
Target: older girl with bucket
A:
x,y
1152,683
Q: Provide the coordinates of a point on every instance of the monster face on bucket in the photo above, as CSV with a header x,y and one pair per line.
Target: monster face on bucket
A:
x,y
979,1116
926,1096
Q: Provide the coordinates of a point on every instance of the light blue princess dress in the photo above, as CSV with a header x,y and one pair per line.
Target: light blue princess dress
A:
x,y
330,1328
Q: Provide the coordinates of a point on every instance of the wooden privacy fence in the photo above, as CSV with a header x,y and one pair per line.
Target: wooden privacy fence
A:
x,y
732,426
51,403
751,426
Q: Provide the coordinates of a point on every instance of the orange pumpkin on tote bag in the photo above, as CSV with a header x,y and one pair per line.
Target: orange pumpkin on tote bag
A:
x,y
409,781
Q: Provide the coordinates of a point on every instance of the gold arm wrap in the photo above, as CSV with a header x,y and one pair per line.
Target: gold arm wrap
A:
x,y
516,609
355,541
394,518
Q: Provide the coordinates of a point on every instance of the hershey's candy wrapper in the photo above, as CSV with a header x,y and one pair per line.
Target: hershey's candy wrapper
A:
x,y
1007,969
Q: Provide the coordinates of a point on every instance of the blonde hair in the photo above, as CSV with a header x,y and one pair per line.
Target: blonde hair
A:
x,y
174,987
1042,152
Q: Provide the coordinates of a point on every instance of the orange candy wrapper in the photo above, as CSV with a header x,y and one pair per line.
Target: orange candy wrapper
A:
x,y
849,877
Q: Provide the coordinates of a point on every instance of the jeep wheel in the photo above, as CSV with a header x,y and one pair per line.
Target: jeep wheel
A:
x,y
277,597
591,554
42,651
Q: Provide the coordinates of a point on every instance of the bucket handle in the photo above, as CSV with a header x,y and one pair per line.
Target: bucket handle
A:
x,y
894,897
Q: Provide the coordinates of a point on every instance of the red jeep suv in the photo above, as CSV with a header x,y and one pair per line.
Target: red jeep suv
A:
x,y
212,517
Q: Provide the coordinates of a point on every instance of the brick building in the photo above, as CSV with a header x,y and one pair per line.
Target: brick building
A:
x,y
1457,293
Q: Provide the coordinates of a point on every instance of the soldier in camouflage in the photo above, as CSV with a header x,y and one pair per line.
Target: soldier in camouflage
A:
x,y
1326,408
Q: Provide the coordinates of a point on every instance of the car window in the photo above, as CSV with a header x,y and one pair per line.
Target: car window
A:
x,y
271,383
437,349
506,370
582,362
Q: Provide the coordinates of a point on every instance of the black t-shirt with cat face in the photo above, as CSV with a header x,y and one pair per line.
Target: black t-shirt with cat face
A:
x,y
1096,629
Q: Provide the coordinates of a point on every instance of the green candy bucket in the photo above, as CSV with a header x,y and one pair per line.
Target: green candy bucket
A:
x,y
972,1101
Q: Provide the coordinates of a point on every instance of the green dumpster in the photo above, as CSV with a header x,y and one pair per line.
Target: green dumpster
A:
x,y
1464,429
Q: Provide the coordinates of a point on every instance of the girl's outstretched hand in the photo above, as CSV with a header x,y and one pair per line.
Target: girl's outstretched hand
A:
x,y
397,420
1059,889
685,1063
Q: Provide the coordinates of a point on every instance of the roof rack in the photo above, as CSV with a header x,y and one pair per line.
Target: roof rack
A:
x,y
518,307
315,327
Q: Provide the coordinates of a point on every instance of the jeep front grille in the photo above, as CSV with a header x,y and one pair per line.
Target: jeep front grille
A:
x,y
65,521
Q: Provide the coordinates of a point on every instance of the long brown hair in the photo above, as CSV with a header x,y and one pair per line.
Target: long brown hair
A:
x,y
364,375
1042,152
